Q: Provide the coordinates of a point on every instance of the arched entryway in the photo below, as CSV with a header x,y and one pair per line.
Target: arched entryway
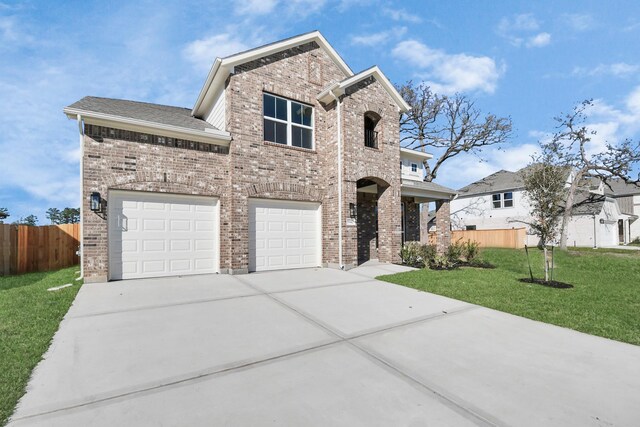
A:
x,y
369,191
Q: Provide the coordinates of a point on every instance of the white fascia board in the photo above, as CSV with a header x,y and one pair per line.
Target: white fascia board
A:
x,y
416,154
382,79
223,67
209,136
207,84
414,192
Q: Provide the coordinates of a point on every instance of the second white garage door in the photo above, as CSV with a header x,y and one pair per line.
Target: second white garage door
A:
x,y
284,234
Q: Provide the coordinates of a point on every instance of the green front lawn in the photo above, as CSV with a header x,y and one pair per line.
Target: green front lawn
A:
x,y
29,316
604,301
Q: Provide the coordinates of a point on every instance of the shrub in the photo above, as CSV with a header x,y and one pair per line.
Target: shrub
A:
x,y
416,254
454,252
411,254
442,262
470,250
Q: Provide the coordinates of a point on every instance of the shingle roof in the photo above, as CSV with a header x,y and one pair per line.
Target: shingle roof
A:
x,y
155,113
496,182
618,188
429,186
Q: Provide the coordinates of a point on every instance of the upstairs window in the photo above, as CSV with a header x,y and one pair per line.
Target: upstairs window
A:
x,y
414,167
371,120
287,122
502,200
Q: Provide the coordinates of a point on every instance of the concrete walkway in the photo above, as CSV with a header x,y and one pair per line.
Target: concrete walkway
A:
x,y
318,347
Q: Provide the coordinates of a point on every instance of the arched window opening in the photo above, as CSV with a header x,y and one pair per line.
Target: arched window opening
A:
x,y
371,121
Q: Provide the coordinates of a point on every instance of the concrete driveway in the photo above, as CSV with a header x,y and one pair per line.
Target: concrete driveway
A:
x,y
318,347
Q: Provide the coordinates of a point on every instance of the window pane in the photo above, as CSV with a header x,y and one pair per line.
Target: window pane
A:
x,y
281,133
496,204
508,203
508,196
281,109
269,130
301,114
301,137
496,197
269,105
414,167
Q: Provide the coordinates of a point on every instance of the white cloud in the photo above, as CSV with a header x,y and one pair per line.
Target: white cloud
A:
x,y
579,22
255,7
618,69
378,38
539,40
402,15
519,30
202,52
449,73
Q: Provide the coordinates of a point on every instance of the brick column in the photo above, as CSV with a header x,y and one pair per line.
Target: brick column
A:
x,y
443,226
389,225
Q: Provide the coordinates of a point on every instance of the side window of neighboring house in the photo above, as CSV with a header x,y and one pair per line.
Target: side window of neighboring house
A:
x,y
508,200
502,200
470,227
400,164
287,122
497,201
414,167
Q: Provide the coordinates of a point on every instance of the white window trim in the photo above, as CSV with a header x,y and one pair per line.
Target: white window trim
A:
x,y
290,123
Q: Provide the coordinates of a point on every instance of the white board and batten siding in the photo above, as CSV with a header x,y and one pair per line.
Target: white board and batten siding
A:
x,y
160,234
216,117
284,234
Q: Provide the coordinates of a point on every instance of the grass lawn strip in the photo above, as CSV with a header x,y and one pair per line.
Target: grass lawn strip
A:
x,y
29,317
604,301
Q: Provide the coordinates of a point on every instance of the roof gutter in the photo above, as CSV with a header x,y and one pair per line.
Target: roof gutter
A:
x,y
211,136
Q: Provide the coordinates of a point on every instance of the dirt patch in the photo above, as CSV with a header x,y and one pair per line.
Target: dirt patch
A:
x,y
549,283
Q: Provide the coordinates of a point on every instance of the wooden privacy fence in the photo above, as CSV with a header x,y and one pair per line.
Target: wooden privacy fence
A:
x,y
511,238
25,249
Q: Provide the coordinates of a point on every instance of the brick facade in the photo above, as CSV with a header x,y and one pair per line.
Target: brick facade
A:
x,y
252,168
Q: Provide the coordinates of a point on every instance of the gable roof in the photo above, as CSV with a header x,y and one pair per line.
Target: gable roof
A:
x,y
502,180
619,188
222,67
340,88
144,116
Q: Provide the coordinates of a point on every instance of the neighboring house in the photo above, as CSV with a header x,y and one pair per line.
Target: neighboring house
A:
x,y
288,159
601,216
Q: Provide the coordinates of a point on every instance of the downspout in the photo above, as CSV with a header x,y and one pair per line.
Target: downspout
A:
x,y
339,122
595,231
81,132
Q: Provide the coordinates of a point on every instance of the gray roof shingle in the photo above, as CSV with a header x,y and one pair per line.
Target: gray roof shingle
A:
x,y
500,181
155,113
429,186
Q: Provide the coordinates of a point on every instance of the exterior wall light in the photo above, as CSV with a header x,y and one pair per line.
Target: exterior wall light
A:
x,y
95,202
353,210
601,220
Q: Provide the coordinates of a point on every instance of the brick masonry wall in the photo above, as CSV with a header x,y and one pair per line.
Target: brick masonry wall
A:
x,y
379,165
119,164
443,225
298,74
412,220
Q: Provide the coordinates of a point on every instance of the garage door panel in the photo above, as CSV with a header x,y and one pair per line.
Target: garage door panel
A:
x,y
283,234
177,235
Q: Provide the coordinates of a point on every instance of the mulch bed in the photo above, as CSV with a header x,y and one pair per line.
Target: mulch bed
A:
x,y
550,283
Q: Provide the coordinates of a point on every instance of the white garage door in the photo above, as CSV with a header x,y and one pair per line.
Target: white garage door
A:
x,y
284,234
156,234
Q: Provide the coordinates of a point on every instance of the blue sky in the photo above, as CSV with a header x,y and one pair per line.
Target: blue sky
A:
x,y
527,60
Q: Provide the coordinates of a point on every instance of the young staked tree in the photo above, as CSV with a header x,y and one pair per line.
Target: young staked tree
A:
x,y
570,148
544,188
448,125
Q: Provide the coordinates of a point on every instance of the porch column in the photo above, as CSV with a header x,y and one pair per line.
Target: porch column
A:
x,y
443,226
389,224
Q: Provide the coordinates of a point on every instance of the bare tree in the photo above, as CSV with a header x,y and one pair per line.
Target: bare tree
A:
x,y
570,147
448,124
544,187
